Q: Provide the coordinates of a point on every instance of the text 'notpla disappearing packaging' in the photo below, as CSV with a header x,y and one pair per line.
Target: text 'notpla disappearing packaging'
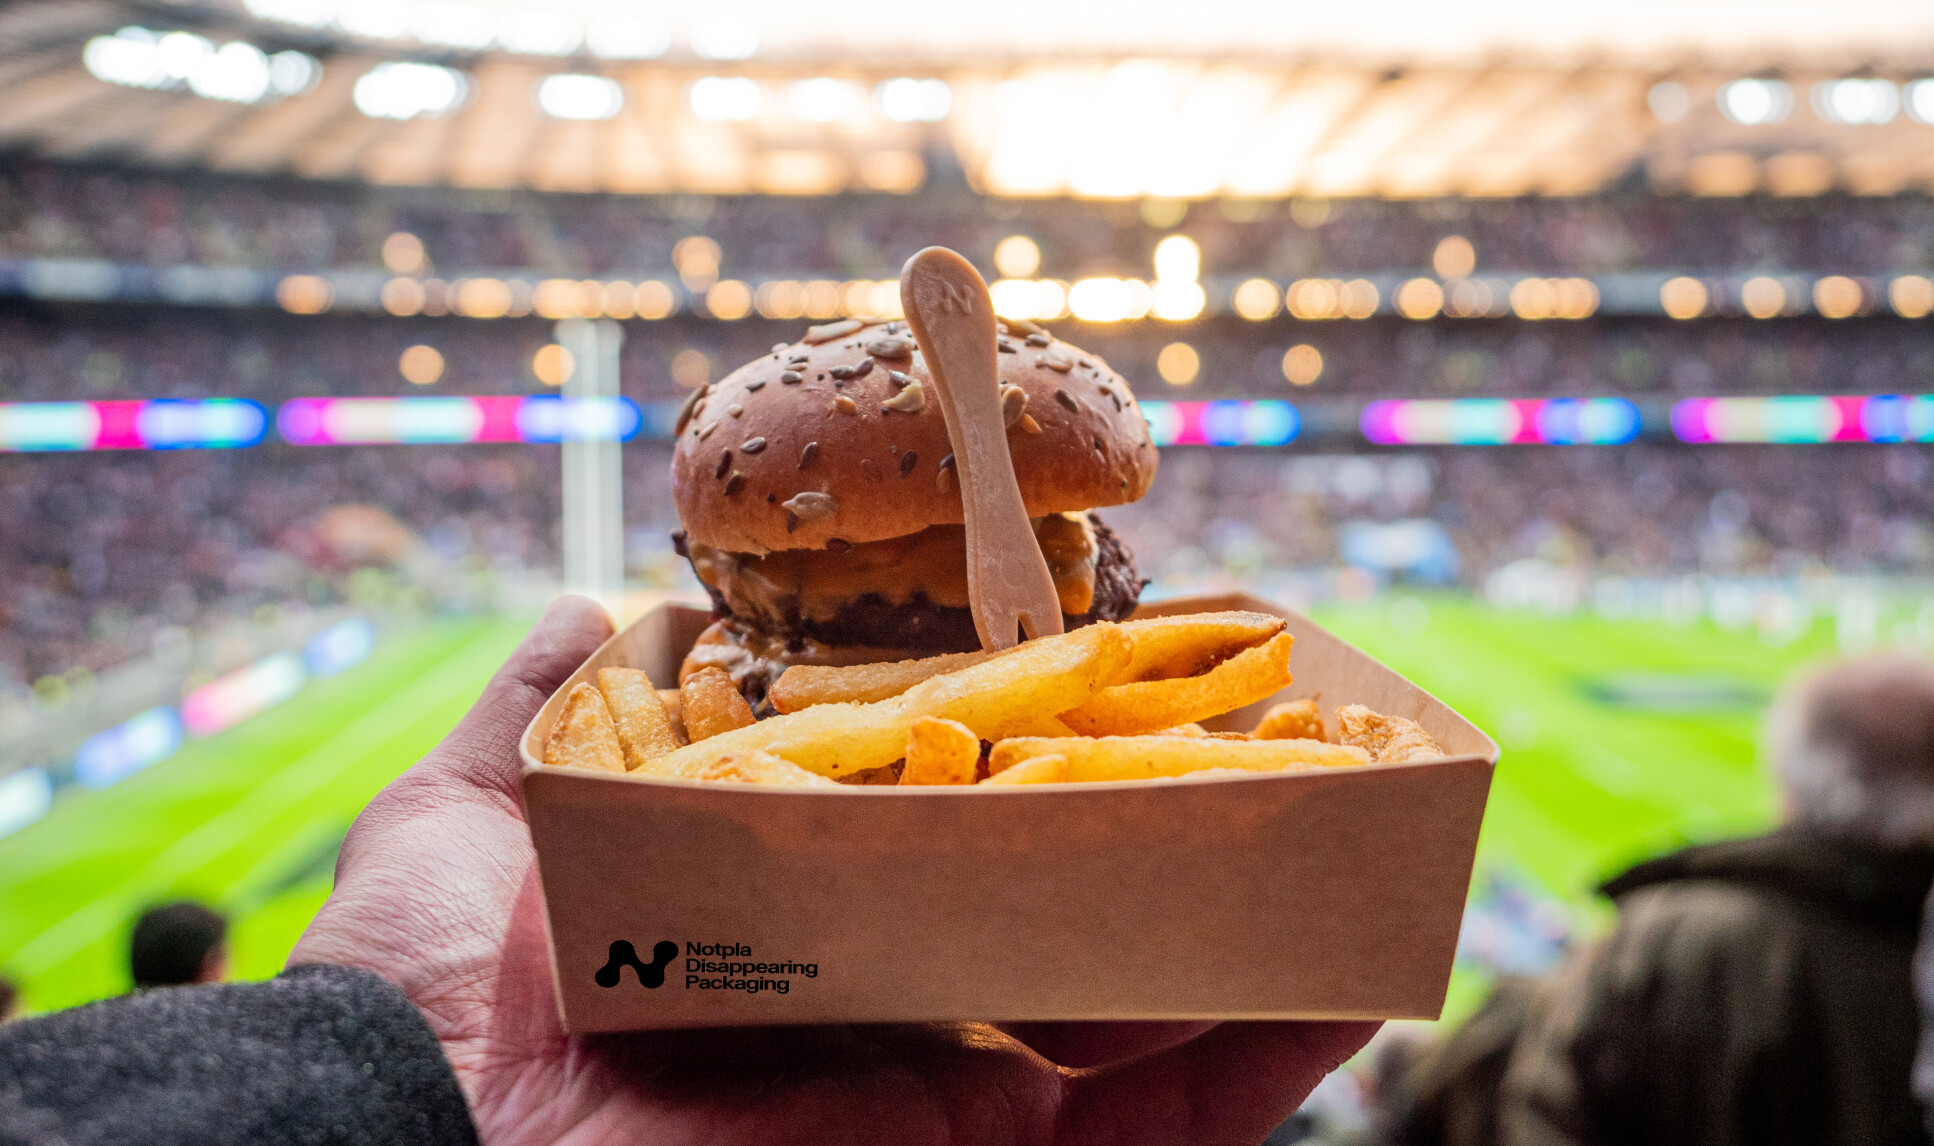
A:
x,y
1332,893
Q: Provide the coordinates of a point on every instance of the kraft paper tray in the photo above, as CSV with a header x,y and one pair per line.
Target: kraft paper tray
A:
x,y
1334,894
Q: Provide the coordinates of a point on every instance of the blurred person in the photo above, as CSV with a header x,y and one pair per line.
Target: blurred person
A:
x,y
1759,990
419,1008
177,944
1445,1092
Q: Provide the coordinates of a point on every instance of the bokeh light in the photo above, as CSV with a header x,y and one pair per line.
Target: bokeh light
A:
x,y
691,368
422,365
1178,364
1454,258
1017,257
553,365
403,253
1302,364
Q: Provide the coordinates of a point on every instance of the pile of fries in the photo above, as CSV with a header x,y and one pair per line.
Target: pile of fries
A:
x,y
1105,702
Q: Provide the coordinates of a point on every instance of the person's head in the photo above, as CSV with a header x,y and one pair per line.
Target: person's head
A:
x,y
178,943
1853,744
9,998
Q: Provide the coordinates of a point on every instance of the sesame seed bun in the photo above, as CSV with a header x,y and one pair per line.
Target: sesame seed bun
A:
x,y
808,419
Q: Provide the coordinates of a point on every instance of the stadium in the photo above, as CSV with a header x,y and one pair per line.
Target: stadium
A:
x,y
1577,367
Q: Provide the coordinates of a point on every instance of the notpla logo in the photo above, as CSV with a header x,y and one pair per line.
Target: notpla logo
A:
x,y
623,954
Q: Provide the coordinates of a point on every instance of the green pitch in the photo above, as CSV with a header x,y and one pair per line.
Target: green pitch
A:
x,y
1621,739
248,820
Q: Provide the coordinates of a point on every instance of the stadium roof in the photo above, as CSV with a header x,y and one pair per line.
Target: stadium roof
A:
x,y
1091,99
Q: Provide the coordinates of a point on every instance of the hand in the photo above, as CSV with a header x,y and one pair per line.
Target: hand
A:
x,y
437,892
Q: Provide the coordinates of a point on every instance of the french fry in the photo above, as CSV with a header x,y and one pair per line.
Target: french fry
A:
x,y
644,727
941,752
1049,769
1292,720
1390,739
1188,644
802,686
762,768
996,698
1043,726
1000,696
1189,729
1149,706
1145,757
584,736
711,704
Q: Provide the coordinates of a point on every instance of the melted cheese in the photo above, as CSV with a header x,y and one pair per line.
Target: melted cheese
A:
x,y
816,582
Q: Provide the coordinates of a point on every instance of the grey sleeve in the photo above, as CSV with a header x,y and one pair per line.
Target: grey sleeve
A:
x,y
320,1055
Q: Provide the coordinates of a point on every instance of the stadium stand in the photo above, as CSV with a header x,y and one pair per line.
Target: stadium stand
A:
x,y
161,218
116,548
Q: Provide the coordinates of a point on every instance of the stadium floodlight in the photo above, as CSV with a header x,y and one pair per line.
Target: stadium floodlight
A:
x,y
821,99
374,19
464,26
301,13
1177,300
1669,101
128,57
910,100
1105,300
1856,101
1753,102
292,73
627,38
401,90
724,98
1919,99
179,55
1178,258
534,32
725,38
574,96
236,72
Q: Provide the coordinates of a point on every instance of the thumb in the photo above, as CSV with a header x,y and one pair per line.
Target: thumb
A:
x,y
482,748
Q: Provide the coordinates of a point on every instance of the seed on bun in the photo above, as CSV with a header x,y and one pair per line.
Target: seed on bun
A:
x,y
841,439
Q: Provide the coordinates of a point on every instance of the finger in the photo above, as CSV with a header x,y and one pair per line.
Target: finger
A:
x,y
1233,1084
483,746
1092,1044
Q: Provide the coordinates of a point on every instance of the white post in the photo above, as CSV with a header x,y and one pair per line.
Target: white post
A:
x,y
594,543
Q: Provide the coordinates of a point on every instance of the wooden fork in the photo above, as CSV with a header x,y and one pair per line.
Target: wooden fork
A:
x,y
1008,584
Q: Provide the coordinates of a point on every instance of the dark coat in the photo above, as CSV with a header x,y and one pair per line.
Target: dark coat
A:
x,y
1757,991
1449,1095
318,1056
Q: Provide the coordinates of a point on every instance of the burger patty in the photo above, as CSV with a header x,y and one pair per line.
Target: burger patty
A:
x,y
919,625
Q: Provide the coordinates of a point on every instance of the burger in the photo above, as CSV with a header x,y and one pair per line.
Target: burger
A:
x,y
821,504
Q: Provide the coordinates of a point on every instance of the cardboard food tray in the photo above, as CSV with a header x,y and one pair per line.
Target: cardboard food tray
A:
x,y
1329,894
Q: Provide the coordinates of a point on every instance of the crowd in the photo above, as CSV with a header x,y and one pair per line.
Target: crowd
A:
x,y
49,353
104,550
139,216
